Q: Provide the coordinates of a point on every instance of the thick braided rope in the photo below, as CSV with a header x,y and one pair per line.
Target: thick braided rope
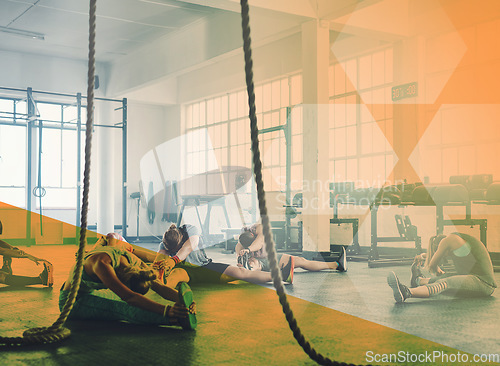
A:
x,y
271,253
86,173
56,332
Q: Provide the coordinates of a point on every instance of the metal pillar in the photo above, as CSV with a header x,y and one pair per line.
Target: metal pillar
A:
x,y
124,170
29,174
288,173
29,121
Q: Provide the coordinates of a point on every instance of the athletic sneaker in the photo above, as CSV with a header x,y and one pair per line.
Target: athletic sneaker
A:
x,y
401,292
342,261
186,299
243,260
416,273
47,275
7,265
287,271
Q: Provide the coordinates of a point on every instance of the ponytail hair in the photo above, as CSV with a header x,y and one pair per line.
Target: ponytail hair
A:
x,y
172,239
137,279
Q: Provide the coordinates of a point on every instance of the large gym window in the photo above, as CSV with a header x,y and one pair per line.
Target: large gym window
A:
x,y
361,124
461,139
226,119
59,155
12,152
56,172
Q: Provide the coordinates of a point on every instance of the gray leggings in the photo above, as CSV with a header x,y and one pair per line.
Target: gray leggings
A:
x,y
460,285
106,305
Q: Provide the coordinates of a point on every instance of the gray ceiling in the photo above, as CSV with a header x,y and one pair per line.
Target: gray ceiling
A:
x,y
122,25
125,25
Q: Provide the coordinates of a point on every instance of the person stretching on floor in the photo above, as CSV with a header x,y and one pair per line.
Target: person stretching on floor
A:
x,y
474,271
182,247
251,253
146,255
46,278
113,284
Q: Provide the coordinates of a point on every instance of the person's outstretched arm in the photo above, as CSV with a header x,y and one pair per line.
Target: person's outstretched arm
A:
x,y
165,260
164,291
439,255
100,265
238,249
190,245
259,241
10,251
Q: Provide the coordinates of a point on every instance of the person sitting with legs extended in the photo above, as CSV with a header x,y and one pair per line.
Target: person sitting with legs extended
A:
x,y
252,252
474,271
45,278
113,284
183,258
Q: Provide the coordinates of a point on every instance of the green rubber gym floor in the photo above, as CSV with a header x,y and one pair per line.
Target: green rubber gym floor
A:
x,y
345,315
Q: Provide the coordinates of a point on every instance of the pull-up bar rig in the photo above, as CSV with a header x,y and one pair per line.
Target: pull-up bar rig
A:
x,y
31,121
287,131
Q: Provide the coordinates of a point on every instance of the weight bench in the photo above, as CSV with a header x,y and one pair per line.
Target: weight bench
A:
x,y
392,196
374,198
447,196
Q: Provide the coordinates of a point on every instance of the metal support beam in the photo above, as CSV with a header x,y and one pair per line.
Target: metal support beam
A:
x,y
29,119
288,175
287,131
30,164
124,170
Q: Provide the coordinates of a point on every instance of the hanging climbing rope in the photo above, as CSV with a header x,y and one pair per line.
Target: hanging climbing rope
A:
x,y
56,332
271,253
39,191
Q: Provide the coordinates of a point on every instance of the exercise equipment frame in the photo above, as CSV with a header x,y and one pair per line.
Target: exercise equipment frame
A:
x,y
29,120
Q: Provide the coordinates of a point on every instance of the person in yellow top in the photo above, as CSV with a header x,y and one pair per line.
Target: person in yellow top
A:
x,y
181,257
113,284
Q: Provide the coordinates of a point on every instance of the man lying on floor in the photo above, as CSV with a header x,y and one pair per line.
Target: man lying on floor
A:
x,y
45,278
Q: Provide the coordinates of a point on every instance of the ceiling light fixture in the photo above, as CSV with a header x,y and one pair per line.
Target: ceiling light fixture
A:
x,y
23,33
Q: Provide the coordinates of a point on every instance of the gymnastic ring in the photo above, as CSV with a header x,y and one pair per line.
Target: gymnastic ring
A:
x,y
39,192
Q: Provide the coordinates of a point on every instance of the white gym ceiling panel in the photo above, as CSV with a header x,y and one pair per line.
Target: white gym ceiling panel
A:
x,y
49,21
9,10
123,25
